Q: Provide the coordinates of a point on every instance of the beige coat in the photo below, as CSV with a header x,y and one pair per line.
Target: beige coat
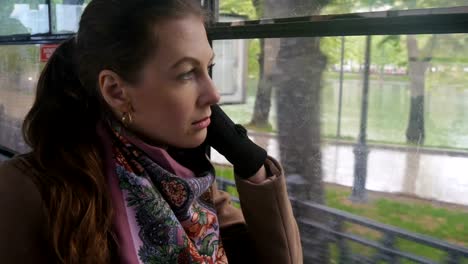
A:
x,y
265,227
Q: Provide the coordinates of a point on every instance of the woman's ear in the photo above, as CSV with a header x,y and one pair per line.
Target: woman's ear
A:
x,y
113,90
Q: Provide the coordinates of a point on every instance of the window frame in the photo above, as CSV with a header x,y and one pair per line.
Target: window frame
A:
x,y
394,22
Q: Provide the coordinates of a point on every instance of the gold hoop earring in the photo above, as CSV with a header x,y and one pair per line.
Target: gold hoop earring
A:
x,y
126,119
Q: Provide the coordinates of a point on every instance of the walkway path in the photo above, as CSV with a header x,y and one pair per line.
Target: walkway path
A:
x,y
434,175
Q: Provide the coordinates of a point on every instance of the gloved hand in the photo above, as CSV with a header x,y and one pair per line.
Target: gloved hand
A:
x,y
231,141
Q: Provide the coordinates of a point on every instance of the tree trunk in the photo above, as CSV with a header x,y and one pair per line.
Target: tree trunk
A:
x,y
263,97
415,132
301,65
295,67
270,48
264,88
411,172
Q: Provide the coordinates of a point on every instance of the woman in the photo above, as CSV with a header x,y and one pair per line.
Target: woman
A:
x,y
118,173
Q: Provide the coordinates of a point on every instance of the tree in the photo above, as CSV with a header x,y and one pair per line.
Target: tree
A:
x,y
419,60
258,63
268,50
298,80
419,53
388,50
238,7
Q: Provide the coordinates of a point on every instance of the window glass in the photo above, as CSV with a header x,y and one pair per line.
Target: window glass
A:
x,y
399,158
23,17
67,14
255,9
20,67
230,72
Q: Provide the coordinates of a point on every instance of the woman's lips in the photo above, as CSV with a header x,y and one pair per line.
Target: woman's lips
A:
x,y
203,123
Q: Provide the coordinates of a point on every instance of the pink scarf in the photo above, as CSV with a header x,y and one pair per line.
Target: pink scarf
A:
x,y
163,212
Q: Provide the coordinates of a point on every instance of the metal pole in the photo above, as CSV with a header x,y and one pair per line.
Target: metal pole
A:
x,y
360,149
212,7
49,11
340,95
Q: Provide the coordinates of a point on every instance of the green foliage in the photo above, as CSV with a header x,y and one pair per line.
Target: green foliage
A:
x,y
385,50
350,6
254,51
354,49
238,7
331,47
225,172
451,48
389,50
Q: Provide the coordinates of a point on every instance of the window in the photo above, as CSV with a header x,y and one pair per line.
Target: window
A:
x,y
366,112
20,67
363,102
24,17
294,98
67,15
289,9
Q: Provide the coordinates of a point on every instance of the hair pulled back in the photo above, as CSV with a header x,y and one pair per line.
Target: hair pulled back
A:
x,y
117,35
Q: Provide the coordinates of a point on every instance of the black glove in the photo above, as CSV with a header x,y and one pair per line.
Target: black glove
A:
x,y
231,141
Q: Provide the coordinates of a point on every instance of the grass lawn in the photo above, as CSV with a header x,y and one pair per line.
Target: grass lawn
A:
x,y
414,215
421,217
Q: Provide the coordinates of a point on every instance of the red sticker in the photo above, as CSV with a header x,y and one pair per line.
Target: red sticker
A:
x,y
47,51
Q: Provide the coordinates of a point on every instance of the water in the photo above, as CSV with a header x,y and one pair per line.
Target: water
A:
x,y
434,176
389,102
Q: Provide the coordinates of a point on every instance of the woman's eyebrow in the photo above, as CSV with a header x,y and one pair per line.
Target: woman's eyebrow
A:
x,y
191,60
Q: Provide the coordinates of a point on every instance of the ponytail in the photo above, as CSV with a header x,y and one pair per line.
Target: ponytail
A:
x,y
61,130
65,110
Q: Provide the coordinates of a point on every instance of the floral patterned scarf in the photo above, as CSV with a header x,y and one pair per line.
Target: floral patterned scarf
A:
x,y
164,213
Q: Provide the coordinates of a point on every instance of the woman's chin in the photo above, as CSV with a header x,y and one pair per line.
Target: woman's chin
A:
x,y
192,142
197,141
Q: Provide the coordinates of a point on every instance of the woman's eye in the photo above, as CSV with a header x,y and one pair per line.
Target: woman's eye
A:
x,y
187,75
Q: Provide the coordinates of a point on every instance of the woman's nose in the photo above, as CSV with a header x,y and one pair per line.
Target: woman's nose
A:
x,y
210,94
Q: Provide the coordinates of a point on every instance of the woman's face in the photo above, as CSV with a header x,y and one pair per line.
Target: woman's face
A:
x,y
171,102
